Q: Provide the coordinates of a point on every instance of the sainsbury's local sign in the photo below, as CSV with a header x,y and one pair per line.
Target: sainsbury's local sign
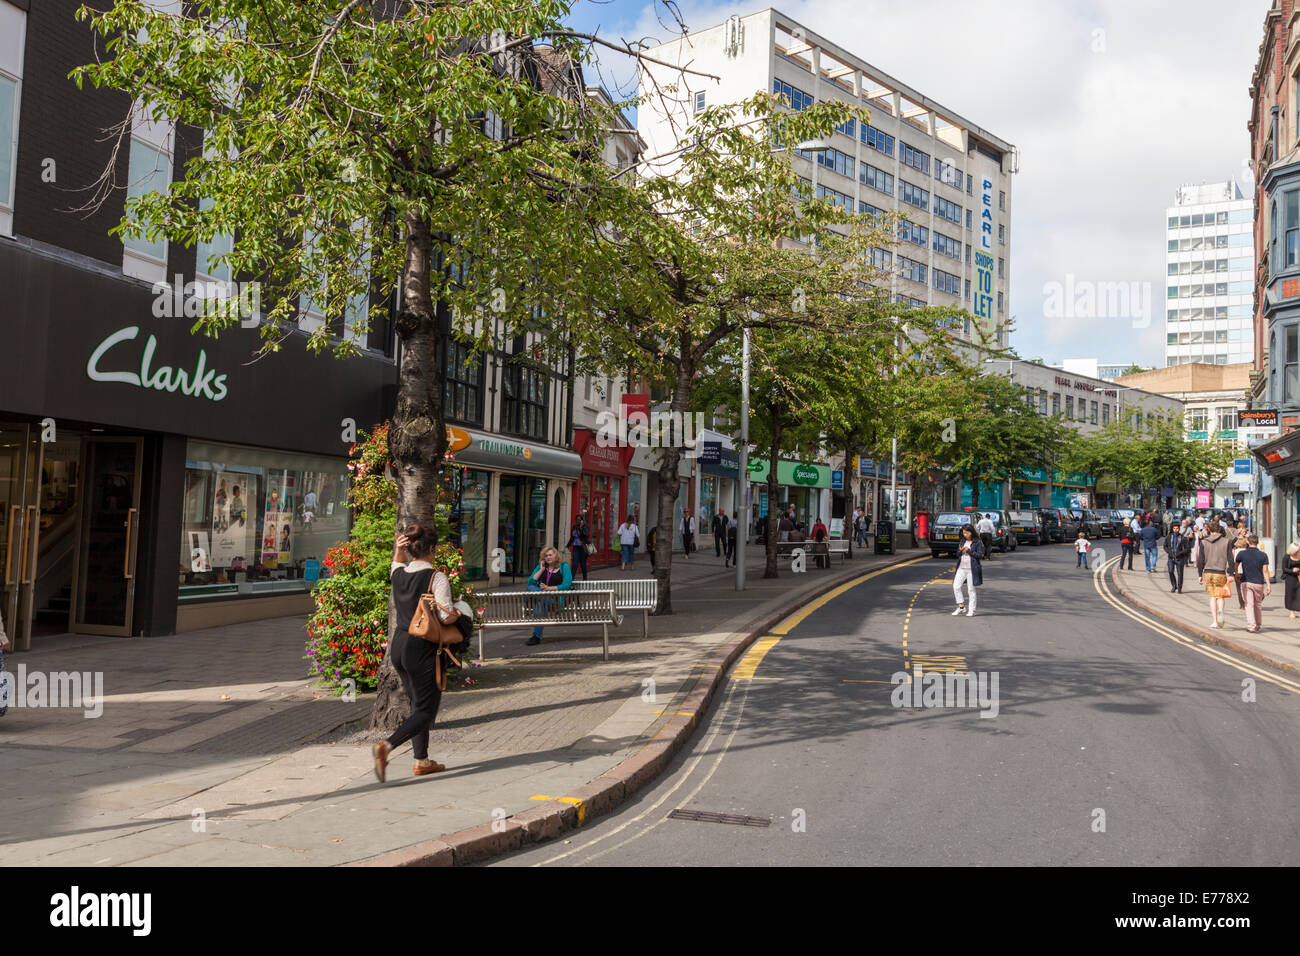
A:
x,y
112,361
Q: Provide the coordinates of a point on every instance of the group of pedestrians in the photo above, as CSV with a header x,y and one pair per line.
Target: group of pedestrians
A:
x,y
1144,532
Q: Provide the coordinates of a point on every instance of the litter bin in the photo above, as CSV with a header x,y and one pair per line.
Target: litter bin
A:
x,y
884,538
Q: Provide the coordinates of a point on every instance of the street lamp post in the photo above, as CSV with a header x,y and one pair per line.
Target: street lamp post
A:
x,y
742,520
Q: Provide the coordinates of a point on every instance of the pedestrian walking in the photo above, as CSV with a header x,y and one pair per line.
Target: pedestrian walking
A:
x,y
1239,544
785,527
1127,543
820,549
688,534
863,525
1166,521
986,530
552,576
629,538
1150,539
1253,565
1291,579
652,536
719,530
733,532
1178,547
969,572
415,659
1212,568
1081,548
579,538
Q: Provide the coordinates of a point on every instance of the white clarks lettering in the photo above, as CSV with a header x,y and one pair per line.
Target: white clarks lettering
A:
x,y
133,910
202,381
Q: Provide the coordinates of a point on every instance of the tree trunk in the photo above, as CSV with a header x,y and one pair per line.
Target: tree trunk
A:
x,y
849,461
773,535
669,484
975,491
417,437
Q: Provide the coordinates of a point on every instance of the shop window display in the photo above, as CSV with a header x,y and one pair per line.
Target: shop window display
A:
x,y
256,521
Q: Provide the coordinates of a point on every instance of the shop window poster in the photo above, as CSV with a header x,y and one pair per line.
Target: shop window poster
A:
x,y
230,528
199,553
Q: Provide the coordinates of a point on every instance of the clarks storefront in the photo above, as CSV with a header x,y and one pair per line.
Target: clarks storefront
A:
x,y
154,481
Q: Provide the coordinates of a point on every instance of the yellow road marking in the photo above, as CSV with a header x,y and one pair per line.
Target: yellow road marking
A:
x,y
747,666
581,805
745,669
1102,588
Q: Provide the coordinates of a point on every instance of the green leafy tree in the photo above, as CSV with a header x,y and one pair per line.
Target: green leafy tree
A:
x,y
365,152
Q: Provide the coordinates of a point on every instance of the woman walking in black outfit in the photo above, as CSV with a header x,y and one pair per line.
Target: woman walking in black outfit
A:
x,y
578,538
1291,575
415,659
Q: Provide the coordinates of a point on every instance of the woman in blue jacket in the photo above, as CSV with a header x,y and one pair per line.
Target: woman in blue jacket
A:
x,y
969,573
551,574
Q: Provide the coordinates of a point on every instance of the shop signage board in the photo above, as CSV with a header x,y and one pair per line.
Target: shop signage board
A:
x,y
1241,466
504,454
792,473
1204,499
1257,418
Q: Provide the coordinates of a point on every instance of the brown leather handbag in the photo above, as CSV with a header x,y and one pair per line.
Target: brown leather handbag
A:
x,y
426,624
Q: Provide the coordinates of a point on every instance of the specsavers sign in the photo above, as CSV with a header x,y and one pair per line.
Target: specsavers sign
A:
x,y
470,447
792,473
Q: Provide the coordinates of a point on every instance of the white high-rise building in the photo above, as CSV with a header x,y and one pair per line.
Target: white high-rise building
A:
x,y
915,157
1210,261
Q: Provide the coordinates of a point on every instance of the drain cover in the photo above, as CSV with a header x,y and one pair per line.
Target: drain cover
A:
x,y
708,816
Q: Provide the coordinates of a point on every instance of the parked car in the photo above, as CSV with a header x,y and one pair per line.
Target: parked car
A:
x,y
1029,527
1111,522
1088,521
1051,523
945,531
1066,524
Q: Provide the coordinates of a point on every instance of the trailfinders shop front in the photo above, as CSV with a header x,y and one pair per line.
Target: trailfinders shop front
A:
x,y
155,481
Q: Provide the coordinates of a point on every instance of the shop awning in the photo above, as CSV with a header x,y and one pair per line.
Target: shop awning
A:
x,y
479,449
1280,456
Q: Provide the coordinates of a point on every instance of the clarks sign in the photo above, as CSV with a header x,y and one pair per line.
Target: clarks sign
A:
x,y
201,382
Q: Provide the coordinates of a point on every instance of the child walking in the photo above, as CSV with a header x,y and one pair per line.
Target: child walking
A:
x,y
1082,545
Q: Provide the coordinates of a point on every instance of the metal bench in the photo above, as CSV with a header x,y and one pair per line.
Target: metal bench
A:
x,y
519,609
634,594
839,546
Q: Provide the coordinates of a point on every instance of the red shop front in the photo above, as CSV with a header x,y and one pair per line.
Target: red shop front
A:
x,y
601,493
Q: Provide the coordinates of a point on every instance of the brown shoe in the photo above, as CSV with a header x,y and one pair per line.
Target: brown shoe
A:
x,y
420,770
380,752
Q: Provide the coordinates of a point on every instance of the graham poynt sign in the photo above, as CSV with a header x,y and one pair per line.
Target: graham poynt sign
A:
x,y
199,382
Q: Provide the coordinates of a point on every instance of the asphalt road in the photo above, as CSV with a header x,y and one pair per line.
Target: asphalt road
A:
x,y
1112,743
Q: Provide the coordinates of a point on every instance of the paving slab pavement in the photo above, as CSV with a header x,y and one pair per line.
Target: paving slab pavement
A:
x,y
209,748
1276,645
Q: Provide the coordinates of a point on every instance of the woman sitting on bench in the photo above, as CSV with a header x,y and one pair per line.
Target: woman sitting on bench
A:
x,y
551,574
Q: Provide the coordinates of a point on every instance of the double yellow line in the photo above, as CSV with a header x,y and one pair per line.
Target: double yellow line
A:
x,y
1256,671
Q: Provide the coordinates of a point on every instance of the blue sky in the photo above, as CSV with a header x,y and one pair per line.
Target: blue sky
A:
x,y
1113,104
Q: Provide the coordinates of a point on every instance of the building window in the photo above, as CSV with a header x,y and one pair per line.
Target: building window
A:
x,y
257,522
1291,224
1200,418
1002,200
149,170
947,282
966,293
911,232
1291,382
970,184
1002,268
947,173
913,195
1227,419
842,163
911,269
1002,233
849,128
881,142
1042,401
1105,413
948,210
947,246
462,383
1069,407
1093,411
875,178
913,157
1056,403
13,24
799,100
699,102
523,411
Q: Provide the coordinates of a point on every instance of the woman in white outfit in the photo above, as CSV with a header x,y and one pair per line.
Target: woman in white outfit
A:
x,y
969,572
